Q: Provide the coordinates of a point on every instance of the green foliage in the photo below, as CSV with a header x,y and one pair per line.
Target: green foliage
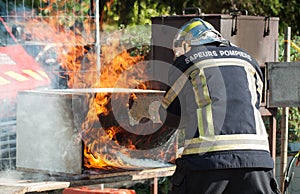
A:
x,y
144,188
289,15
294,124
144,10
136,39
131,12
295,54
69,12
263,7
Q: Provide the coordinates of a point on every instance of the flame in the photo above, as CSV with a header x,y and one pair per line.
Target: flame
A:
x,y
75,45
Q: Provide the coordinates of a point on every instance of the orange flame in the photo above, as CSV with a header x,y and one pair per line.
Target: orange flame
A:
x,y
78,57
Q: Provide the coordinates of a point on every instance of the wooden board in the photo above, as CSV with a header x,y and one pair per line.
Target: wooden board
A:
x,y
138,174
154,173
12,189
37,183
23,186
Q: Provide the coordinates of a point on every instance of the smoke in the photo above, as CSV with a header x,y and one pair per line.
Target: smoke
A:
x,y
142,163
13,177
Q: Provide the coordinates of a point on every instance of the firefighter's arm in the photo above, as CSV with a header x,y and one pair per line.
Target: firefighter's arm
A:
x,y
170,116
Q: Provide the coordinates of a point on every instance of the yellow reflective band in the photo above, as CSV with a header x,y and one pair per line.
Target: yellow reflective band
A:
x,y
255,86
259,88
205,87
226,142
227,138
225,148
222,62
208,108
192,25
3,81
200,122
210,123
259,123
174,91
16,76
167,100
43,74
196,82
203,100
33,74
259,85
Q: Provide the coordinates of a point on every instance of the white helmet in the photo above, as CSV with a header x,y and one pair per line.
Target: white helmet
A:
x,y
194,32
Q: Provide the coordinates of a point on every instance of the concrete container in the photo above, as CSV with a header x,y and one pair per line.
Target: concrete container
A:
x,y
49,124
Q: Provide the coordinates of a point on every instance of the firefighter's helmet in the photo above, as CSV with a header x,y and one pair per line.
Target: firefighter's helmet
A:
x,y
195,32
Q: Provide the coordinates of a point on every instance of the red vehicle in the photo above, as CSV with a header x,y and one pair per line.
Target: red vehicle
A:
x,y
18,71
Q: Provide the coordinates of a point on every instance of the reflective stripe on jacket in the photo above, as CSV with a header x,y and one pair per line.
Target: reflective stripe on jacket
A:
x,y
227,87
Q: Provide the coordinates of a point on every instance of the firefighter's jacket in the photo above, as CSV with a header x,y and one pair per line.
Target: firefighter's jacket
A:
x,y
217,92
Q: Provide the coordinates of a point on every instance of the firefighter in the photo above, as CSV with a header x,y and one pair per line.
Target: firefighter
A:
x,y
217,88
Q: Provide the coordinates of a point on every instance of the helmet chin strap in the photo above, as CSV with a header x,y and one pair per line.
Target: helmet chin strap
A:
x,y
186,47
225,43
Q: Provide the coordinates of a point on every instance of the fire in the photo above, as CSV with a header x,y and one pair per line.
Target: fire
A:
x,y
111,70
105,147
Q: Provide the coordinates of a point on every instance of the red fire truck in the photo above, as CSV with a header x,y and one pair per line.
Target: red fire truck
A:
x,y
18,70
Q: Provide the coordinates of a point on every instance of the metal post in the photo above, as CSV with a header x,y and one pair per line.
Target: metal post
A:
x,y
98,46
155,185
285,113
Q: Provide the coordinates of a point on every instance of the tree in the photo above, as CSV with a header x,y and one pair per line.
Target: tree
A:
x,y
128,12
131,12
289,15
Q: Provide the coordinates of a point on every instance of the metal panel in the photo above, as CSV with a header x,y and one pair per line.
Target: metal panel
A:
x,y
164,29
284,84
250,34
46,133
7,145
